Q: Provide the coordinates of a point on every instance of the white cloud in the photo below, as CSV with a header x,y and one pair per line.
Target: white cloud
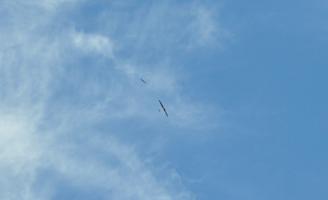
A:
x,y
44,129
94,43
126,178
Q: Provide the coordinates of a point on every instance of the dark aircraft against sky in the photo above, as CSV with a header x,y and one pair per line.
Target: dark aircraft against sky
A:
x,y
163,107
143,80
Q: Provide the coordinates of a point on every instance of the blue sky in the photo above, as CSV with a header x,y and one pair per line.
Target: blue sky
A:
x,y
243,81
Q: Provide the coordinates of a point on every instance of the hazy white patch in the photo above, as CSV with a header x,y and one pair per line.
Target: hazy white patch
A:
x,y
207,30
38,6
21,154
163,80
205,26
94,43
184,113
53,4
152,29
126,177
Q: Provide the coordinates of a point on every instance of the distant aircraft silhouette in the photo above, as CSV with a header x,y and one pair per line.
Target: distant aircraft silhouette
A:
x,y
142,80
163,108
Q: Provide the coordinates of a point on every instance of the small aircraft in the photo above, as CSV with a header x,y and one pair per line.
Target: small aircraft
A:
x,y
163,108
143,80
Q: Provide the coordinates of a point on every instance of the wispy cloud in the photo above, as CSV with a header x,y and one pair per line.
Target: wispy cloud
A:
x,y
206,28
57,85
93,43
151,29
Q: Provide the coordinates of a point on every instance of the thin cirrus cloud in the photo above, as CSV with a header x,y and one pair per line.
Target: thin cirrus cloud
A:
x,y
49,108
154,28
